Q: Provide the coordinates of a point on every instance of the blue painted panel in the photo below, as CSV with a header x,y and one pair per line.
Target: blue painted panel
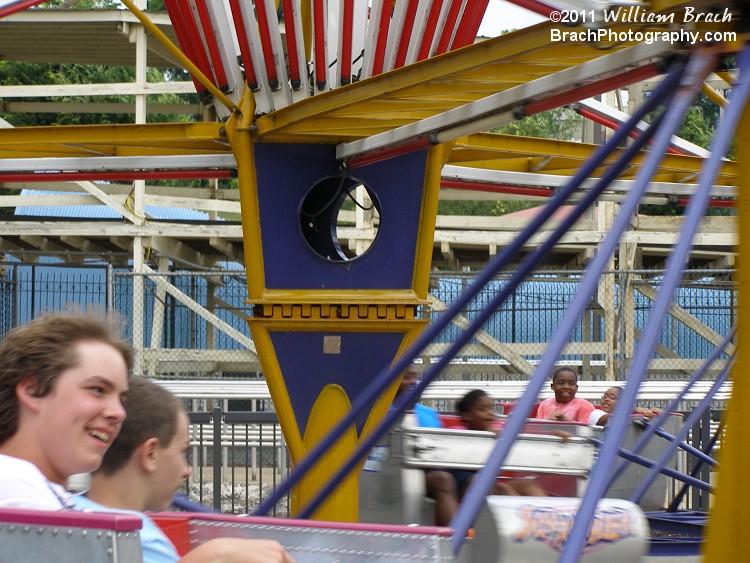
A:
x,y
286,172
307,370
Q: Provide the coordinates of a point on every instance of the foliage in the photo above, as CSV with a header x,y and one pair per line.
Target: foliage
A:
x,y
20,73
28,73
559,123
483,208
698,127
80,5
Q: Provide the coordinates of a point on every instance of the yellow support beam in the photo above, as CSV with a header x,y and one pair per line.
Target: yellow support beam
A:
x,y
442,75
728,539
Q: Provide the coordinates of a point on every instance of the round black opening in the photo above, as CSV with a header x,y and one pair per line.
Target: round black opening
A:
x,y
340,218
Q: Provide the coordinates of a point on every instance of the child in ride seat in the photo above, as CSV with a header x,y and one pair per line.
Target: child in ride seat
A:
x,y
477,412
565,406
600,416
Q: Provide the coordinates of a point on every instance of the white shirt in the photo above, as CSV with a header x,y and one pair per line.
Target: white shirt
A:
x,y
595,416
22,485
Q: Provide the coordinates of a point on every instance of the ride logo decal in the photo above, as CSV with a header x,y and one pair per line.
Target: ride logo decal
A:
x,y
551,526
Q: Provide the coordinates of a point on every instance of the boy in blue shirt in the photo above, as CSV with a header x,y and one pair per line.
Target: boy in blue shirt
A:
x,y
143,469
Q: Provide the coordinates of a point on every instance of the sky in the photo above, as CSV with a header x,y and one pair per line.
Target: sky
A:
x,y
502,15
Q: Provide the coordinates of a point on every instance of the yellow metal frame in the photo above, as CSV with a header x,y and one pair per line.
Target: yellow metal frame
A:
x,y
728,539
376,105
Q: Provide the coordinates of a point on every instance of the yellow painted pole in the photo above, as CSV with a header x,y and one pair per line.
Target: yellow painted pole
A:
x,y
728,539
187,63
714,95
435,161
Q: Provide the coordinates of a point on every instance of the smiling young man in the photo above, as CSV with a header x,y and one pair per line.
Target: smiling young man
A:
x,y
143,469
62,382
565,406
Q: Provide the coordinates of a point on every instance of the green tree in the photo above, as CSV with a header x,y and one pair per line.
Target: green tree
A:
x,y
559,123
562,123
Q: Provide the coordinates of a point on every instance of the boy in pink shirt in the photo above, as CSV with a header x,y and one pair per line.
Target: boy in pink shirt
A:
x,y
565,406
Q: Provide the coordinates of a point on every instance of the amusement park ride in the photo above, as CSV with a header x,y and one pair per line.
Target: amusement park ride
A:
x,y
374,104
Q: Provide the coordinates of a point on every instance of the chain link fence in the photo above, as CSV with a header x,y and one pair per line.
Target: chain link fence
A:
x,y
187,324
192,325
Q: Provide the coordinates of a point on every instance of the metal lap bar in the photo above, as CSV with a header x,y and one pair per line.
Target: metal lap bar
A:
x,y
68,535
465,449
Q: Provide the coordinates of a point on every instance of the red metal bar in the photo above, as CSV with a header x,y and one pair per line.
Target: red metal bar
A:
x,y
713,203
321,69
212,46
265,41
385,154
461,39
450,24
17,7
347,22
429,30
177,16
380,44
474,22
291,45
634,134
543,192
247,59
406,32
594,89
495,188
114,176
193,38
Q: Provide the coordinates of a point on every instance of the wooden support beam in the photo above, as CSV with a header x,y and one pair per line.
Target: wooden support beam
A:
x,y
450,256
